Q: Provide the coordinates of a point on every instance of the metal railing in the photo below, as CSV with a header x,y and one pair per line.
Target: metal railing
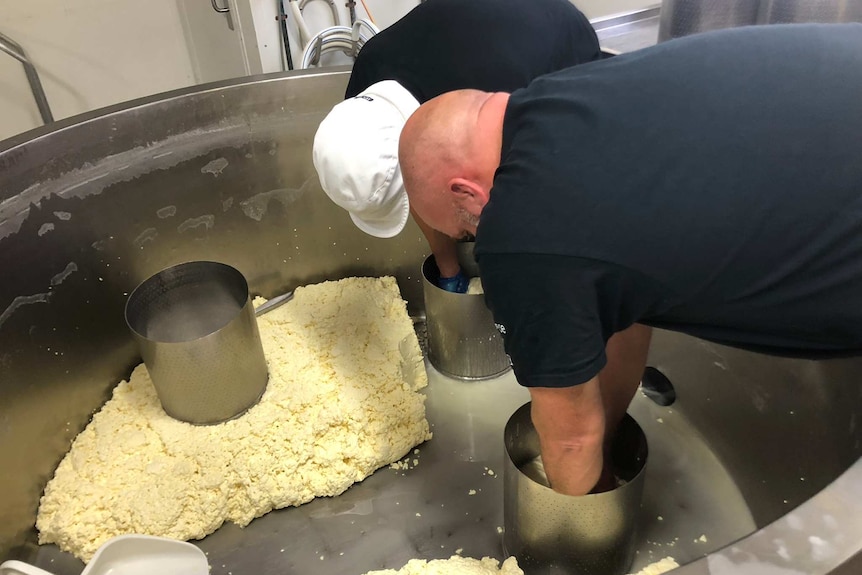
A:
x,y
12,48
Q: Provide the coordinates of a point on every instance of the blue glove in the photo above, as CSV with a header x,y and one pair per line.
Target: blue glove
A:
x,y
456,284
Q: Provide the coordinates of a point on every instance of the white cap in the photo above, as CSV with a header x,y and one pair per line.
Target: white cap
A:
x,y
356,157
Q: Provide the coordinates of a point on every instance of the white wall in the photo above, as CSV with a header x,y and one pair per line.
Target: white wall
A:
x,y
89,54
93,53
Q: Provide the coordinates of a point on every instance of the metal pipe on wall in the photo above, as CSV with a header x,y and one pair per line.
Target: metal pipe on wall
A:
x,y
15,50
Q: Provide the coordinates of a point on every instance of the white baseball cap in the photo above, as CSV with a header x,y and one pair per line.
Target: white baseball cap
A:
x,y
356,157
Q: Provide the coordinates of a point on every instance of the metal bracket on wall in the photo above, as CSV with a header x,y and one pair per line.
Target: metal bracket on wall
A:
x,y
12,48
351,7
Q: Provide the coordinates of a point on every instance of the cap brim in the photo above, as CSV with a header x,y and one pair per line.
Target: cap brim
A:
x,y
389,225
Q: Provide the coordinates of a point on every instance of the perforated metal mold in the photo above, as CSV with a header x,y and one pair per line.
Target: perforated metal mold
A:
x,y
196,330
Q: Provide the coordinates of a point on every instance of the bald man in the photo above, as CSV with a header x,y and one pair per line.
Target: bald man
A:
x,y
710,185
439,46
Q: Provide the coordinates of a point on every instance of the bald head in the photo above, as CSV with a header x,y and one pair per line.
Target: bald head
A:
x,y
448,152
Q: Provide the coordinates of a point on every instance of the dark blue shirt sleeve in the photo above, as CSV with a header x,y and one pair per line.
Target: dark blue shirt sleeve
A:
x,y
557,313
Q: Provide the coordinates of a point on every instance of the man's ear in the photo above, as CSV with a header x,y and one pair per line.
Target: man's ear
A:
x,y
468,192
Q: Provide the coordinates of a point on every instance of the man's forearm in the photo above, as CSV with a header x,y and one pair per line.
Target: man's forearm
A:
x,y
442,246
570,422
627,354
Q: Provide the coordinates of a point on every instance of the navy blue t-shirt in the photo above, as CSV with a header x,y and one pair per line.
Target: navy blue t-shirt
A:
x,y
491,45
710,185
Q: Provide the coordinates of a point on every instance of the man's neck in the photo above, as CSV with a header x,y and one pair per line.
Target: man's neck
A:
x,y
490,127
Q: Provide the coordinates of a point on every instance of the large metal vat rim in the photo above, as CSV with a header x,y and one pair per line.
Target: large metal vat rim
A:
x,y
622,18
78,119
838,506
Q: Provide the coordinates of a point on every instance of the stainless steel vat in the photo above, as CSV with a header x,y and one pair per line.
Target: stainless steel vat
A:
x,y
684,17
825,11
94,205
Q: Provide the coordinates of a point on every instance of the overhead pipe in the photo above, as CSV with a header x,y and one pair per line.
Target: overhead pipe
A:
x,y
347,39
304,33
336,17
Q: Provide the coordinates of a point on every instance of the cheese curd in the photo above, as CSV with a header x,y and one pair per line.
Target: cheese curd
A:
x,y
455,565
659,567
345,370
475,286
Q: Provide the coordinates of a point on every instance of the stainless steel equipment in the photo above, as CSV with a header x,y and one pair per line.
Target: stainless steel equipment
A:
x,y
195,326
684,17
825,11
554,534
628,31
761,454
462,339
